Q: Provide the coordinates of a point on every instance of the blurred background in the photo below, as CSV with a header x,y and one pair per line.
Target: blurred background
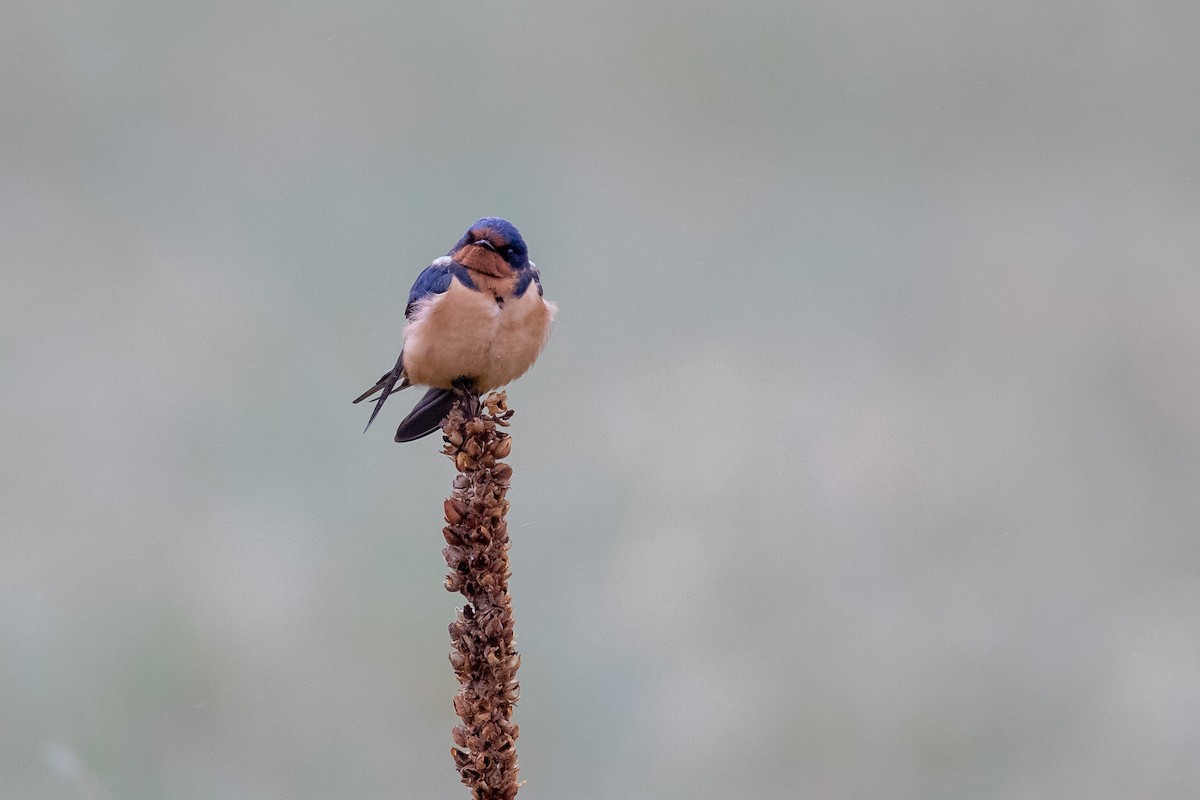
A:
x,y
863,461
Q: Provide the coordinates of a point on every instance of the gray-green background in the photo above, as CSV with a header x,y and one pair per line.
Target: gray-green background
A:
x,y
864,460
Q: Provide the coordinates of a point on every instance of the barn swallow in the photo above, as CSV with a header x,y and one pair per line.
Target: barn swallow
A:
x,y
476,321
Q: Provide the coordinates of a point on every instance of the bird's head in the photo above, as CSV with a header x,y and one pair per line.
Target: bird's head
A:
x,y
492,246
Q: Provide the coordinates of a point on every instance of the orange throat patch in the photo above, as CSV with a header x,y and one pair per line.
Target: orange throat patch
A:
x,y
480,259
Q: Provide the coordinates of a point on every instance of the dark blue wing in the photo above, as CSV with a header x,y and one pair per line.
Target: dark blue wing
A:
x,y
435,279
528,275
427,416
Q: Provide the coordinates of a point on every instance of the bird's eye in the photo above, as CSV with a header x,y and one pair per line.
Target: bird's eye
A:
x,y
508,251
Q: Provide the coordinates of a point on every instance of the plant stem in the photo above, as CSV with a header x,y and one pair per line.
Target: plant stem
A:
x,y
483,656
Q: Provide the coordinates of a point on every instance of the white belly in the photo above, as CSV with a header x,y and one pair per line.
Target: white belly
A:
x,y
462,332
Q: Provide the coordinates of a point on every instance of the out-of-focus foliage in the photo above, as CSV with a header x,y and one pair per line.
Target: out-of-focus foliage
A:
x,y
863,462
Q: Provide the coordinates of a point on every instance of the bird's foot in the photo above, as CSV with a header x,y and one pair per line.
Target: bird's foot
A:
x,y
465,387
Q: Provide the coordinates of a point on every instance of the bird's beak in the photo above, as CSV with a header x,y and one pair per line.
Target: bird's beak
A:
x,y
485,244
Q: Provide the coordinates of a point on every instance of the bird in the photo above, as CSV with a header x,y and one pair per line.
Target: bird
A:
x,y
476,321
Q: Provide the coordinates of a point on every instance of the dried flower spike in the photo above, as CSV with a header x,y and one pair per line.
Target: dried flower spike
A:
x,y
483,657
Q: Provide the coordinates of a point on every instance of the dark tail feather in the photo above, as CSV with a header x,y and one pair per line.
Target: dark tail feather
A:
x,y
372,390
386,383
387,389
427,416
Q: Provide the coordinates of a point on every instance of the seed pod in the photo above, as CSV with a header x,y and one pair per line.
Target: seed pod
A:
x,y
459,734
502,447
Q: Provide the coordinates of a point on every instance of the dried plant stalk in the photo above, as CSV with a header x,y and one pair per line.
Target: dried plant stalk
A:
x,y
483,655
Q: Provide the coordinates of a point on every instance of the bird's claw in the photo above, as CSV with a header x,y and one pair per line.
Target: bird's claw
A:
x,y
465,388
